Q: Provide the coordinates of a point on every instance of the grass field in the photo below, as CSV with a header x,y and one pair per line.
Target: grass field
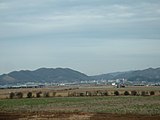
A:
x,y
148,105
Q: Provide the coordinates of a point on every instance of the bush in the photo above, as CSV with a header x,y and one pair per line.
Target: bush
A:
x,y
98,93
74,94
19,95
143,93
102,93
134,93
81,94
38,94
88,93
116,93
106,93
126,93
29,95
46,94
11,95
54,94
152,93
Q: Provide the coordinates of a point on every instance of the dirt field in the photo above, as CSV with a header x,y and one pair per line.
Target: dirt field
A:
x,y
81,108
74,116
65,91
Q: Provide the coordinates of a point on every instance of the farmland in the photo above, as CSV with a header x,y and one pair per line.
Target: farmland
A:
x,y
74,91
83,107
110,104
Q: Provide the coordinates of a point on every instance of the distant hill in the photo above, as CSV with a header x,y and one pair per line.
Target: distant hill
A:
x,y
58,75
43,75
150,75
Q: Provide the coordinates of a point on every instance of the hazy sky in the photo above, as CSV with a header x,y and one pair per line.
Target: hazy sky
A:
x,y
91,36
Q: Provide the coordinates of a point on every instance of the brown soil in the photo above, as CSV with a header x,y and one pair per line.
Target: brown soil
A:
x,y
123,117
74,116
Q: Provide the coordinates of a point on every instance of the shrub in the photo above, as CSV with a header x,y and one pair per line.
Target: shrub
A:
x,y
106,93
98,93
94,93
46,94
126,93
143,93
152,93
29,95
70,94
102,93
134,93
81,94
116,93
19,95
11,95
74,94
38,94
54,94
88,93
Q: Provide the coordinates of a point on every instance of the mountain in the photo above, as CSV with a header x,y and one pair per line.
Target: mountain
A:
x,y
150,75
107,76
43,75
58,75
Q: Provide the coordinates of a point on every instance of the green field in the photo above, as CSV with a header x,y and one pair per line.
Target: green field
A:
x,y
148,105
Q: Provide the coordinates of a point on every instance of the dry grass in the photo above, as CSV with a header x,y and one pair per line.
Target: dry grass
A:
x,y
69,91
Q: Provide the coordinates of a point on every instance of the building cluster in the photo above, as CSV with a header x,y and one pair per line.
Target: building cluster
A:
x,y
119,83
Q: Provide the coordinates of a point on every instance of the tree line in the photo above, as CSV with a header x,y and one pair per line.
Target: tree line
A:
x,y
39,94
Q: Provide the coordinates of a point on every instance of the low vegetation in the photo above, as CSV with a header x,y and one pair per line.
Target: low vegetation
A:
x,y
88,102
38,94
74,93
149,105
134,93
46,94
16,95
116,93
126,93
29,95
152,93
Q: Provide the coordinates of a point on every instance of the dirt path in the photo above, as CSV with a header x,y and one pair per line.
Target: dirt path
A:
x,y
73,116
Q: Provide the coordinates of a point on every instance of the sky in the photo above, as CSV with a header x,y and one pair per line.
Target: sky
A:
x,y
90,36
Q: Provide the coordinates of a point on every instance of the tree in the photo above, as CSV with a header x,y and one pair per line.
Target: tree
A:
x,y
29,95
46,94
152,93
106,93
126,93
81,94
54,94
88,93
134,93
11,95
19,95
38,94
116,93
143,93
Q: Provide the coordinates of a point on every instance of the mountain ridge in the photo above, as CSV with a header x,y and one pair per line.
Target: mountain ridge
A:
x,y
58,75
43,75
149,74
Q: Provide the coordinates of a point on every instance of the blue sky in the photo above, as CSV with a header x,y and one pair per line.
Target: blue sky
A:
x,y
92,36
